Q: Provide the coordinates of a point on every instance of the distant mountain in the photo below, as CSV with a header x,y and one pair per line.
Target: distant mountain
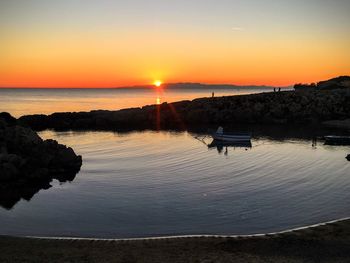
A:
x,y
180,85
190,85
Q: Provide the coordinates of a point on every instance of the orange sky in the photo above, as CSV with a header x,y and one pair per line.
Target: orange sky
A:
x,y
75,54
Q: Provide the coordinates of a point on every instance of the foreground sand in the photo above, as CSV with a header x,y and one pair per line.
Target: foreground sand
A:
x,y
327,243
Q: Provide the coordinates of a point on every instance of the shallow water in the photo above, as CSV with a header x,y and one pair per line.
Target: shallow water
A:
x,y
144,184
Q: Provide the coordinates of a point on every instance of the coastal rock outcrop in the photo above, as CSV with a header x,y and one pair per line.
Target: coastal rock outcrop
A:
x,y
338,123
286,107
341,82
28,163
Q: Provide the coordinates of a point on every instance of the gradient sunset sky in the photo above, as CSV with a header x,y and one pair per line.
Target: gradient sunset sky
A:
x,y
109,43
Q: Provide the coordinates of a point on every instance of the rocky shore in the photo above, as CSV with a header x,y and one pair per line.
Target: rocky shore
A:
x,y
342,82
28,163
286,108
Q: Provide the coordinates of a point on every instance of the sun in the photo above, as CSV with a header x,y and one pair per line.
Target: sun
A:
x,y
157,83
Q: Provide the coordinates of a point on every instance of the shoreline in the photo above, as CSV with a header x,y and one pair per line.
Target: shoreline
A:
x,y
328,242
189,236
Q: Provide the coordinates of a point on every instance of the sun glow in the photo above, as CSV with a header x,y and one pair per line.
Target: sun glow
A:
x,y
157,83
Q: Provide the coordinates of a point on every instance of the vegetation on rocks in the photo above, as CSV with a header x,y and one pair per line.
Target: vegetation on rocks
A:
x,y
331,84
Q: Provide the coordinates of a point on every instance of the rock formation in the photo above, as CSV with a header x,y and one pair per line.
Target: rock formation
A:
x,y
28,163
341,82
289,107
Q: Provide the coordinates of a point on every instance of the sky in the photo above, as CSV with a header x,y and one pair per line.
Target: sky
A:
x,y
111,43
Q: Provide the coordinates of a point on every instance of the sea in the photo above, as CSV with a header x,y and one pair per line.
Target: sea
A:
x,y
168,183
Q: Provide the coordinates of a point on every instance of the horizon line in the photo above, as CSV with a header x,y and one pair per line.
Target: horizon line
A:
x,y
148,85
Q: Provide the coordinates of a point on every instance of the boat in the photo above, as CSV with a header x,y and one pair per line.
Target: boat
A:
x,y
219,135
337,140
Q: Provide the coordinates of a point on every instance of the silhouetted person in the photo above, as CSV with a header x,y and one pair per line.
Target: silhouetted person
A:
x,y
274,89
212,94
279,89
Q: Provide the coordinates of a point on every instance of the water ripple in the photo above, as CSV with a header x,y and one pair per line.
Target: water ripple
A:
x,y
148,183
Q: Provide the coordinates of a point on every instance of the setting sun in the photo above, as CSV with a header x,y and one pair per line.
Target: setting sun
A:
x,y
157,83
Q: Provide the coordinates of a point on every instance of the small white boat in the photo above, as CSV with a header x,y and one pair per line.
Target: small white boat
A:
x,y
219,135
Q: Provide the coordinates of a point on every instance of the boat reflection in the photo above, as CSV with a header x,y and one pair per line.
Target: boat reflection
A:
x,y
223,146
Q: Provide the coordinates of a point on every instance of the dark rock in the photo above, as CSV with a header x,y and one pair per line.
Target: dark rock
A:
x,y
338,123
341,82
28,164
8,172
348,157
335,83
39,174
8,119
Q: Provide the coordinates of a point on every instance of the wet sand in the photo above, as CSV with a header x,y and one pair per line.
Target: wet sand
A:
x,y
324,243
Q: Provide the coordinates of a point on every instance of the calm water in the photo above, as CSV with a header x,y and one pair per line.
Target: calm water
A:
x,y
20,102
148,184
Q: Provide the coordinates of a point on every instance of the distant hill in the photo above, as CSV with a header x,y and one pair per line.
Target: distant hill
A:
x,y
181,85
190,85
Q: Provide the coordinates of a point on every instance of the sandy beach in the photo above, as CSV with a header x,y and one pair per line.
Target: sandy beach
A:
x,y
324,243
